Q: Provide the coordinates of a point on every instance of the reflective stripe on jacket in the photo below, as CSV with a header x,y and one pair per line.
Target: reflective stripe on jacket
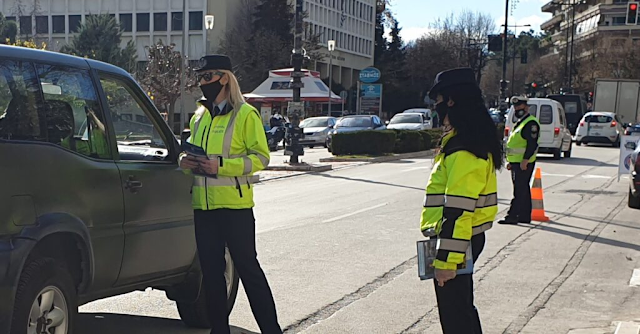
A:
x,y
517,144
237,139
461,201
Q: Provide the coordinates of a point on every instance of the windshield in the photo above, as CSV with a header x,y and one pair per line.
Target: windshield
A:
x,y
315,123
571,107
598,119
355,122
400,119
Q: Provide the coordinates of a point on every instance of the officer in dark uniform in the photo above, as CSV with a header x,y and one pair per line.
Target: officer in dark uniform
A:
x,y
522,149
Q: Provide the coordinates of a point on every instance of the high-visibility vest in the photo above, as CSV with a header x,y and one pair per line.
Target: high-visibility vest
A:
x,y
236,139
517,145
461,201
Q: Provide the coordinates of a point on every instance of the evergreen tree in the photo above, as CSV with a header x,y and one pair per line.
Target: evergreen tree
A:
x,y
276,17
381,42
99,38
8,30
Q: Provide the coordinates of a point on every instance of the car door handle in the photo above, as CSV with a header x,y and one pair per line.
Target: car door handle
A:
x,y
132,185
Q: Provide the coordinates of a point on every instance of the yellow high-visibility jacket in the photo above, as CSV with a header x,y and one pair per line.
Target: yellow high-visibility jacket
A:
x,y
461,201
237,139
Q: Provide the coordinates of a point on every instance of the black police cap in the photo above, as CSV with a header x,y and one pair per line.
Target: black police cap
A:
x,y
214,62
453,77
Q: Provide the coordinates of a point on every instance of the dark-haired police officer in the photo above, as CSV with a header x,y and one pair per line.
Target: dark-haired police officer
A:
x,y
522,149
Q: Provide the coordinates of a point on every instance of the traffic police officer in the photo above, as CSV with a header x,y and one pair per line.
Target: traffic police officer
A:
x,y
461,197
522,149
230,132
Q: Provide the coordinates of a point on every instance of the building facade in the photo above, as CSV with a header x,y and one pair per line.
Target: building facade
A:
x,y
594,19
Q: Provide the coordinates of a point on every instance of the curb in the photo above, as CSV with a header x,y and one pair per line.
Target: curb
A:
x,y
395,157
301,168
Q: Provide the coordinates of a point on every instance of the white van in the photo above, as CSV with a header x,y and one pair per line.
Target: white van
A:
x,y
427,113
555,137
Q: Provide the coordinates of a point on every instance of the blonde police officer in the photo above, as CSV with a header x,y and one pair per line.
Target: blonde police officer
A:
x,y
230,131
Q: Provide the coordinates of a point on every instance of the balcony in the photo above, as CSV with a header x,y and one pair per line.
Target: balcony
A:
x,y
550,7
552,22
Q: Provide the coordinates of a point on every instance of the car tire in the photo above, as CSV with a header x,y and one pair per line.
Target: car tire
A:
x,y
567,154
579,143
312,146
48,284
557,154
634,202
196,314
617,143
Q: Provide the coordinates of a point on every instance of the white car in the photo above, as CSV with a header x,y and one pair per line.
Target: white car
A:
x,y
599,127
406,121
555,137
316,130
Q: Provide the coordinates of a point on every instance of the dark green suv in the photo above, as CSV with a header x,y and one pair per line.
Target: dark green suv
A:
x,y
93,201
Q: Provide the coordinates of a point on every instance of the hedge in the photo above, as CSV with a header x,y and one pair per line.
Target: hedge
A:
x,y
363,143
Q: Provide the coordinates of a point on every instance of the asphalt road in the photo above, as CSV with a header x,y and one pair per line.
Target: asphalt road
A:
x,y
339,252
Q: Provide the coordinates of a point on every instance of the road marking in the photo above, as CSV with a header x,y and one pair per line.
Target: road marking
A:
x,y
582,176
635,278
354,213
416,168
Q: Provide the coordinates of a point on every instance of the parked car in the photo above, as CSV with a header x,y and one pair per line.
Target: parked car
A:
x,y
599,127
632,130
574,106
94,203
428,114
634,178
555,137
316,130
407,121
354,124
495,116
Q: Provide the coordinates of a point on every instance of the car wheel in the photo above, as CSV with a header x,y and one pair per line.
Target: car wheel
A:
x,y
567,154
46,300
557,154
634,202
617,143
196,314
579,143
312,146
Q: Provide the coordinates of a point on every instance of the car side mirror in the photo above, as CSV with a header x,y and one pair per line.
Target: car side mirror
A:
x,y
631,146
386,122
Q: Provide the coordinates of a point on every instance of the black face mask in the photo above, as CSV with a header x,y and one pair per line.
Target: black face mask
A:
x,y
212,90
442,109
520,113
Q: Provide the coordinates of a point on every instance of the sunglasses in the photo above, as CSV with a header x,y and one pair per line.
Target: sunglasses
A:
x,y
208,76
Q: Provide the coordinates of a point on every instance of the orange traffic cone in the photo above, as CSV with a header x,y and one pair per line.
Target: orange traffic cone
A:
x,y
537,201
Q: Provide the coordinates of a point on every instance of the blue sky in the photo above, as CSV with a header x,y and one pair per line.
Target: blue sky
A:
x,y
415,16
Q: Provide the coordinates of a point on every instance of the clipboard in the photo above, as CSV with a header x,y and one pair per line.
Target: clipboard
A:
x,y
427,252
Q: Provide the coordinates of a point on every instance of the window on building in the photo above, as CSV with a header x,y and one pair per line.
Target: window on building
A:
x,y
58,24
176,21
618,21
42,24
126,22
195,21
11,18
26,26
74,23
160,22
142,23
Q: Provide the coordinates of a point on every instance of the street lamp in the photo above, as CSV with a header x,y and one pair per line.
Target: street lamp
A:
x,y
209,21
331,46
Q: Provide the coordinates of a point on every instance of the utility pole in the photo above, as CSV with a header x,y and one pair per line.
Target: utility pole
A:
x,y
294,133
505,48
573,26
183,112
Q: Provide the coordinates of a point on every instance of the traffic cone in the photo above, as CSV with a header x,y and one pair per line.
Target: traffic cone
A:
x,y
537,200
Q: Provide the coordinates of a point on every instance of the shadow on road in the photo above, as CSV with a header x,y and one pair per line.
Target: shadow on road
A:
x,y
110,323
580,236
591,219
332,176
575,162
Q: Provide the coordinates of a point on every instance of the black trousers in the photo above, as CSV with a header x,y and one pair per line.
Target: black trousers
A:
x,y
236,230
458,315
520,210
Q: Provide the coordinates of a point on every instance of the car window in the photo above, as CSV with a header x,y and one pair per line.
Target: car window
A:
x,y
546,114
406,118
355,122
138,137
561,114
598,119
21,116
571,107
74,118
315,123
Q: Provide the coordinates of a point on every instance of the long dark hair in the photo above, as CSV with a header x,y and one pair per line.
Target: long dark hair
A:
x,y
474,127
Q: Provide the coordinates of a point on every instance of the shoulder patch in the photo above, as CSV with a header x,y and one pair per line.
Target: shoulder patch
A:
x,y
534,128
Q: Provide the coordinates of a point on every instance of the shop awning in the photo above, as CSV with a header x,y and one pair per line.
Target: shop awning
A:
x,y
277,88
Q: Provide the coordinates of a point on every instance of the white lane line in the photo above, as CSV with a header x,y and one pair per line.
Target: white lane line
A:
x,y
635,278
354,213
582,176
416,168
